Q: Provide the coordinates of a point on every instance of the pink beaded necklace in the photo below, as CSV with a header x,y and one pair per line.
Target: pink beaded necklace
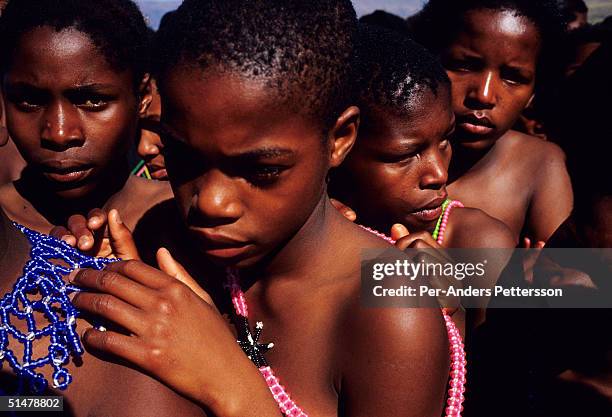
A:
x,y
250,341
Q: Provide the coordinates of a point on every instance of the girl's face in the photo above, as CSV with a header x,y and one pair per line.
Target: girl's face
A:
x,y
247,172
70,113
398,168
492,66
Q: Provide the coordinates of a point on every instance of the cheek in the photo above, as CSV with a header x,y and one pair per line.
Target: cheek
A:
x,y
458,92
110,132
23,128
513,104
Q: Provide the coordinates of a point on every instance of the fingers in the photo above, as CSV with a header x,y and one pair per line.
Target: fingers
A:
x,y
111,308
121,239
113,283
77,224
171,267
418,240
127,347
61,233
399,231
96,219
141,273
345,210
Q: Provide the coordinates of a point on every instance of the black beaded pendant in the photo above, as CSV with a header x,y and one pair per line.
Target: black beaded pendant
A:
x,y
249,341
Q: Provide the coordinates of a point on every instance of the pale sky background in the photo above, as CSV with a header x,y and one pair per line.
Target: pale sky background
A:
x,y
155,9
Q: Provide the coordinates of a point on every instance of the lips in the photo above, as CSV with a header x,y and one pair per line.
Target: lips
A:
x,y
158,172
64,171
475,123
219,245
430,211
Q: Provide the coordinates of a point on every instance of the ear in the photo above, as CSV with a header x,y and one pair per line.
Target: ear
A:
x,y
145,91
343,135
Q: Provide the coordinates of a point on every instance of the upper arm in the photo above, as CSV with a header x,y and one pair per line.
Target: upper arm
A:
x,y
473,228
552,199
395,362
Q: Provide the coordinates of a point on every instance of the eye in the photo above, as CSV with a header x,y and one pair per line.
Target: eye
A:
x,y
462,65
27,103
514,77
399,158
92,103
265,174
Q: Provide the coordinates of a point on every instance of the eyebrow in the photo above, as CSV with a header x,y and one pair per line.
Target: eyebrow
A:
x,y
265,152
83,88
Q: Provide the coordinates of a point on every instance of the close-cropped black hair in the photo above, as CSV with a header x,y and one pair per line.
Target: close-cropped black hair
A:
x,y
392,70
440,22
302,49
116,27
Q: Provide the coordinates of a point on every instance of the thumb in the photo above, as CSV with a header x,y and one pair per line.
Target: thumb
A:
x,y
170,266
121,239
399,231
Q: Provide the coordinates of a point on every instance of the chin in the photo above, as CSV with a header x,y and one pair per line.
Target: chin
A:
x,y
79,192
468,141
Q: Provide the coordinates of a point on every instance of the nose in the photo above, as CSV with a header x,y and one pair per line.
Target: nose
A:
x,y
482,92
149,145
435,175
217,200
61,127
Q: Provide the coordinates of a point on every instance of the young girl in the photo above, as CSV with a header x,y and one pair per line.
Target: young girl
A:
x,y
398,169
256,110
496,52
74,82
72,106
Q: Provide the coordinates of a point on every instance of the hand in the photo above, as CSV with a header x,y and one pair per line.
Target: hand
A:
x,y
174,333
434,254
88,235
345,210
531,257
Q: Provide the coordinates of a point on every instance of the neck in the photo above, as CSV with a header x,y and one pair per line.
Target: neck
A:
x,y
57,209
13,249
464,158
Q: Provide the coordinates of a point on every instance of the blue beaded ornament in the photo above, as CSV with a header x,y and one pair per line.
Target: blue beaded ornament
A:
x,y
42,289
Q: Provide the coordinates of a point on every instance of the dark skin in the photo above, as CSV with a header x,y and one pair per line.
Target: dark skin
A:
x,y
398,171
72,116
150,146
414,151
273,220
126,391
515,178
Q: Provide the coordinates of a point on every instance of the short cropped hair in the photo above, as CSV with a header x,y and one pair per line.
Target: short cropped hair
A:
x,y
116,27
394,70
302,49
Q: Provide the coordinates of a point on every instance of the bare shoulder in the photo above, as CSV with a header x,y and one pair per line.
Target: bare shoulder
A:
x,y
473,228
138,394
529,148
8,195
151,191
393,359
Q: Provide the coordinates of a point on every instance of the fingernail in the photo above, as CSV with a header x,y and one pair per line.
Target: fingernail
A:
x,y
72,275
118,218
83,240
65,238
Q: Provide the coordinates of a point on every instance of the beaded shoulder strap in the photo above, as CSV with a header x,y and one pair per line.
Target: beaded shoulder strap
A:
x,y
440,230
41,289
454,403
